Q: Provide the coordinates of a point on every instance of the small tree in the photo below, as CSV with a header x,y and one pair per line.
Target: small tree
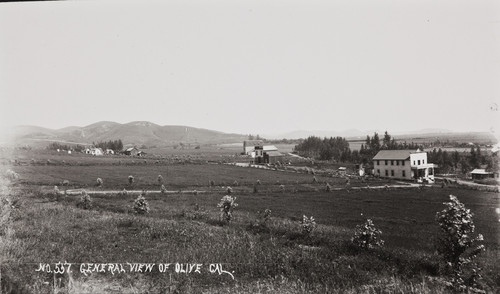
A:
x,y
229,190
130,180
308,225
163,190
85,201
99,182
227,204
160,179
457,244
141,205
367,236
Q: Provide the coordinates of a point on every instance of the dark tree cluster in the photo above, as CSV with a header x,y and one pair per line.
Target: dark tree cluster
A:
x,y
325,149
55,146
373,145
115,145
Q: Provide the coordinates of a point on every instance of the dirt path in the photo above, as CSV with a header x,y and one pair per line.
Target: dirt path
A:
x,y
79,191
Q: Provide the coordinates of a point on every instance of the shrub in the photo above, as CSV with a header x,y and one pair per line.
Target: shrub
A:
x,y
308,225
11,175
258,182
229,190
141,205
124,192
457,244
211,183
263,216
235,183
56,191
99,182
227,204
85,201
328,187
65,183
282,188
130,180
314,179
160,179
163,190
367,236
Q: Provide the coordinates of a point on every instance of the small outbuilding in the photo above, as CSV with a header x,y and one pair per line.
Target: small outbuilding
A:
x,y
481,174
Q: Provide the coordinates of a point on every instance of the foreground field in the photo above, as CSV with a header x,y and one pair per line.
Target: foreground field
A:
x,y
185,228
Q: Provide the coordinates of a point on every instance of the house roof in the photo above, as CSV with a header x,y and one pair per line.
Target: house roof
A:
x,y
393,154
480,171
130,149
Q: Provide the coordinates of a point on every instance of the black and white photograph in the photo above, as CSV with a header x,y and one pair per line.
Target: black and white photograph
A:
x,y
249,146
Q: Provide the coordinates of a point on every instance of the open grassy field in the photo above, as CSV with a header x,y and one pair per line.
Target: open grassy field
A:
x,y
275,257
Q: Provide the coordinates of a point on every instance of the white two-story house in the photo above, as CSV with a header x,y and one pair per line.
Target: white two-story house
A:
x,y
404,165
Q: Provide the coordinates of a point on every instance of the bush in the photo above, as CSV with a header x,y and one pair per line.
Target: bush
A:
x,y
130,180
282,188
227,204
328,187
211,183
163,190
160,179
11,175
235,183
258,182
308,225
457,244
141,205
99,182
229,190
65,183
85,201
315,180
367,236
123,193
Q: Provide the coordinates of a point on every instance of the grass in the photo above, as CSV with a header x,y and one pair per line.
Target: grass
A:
x,y
185,228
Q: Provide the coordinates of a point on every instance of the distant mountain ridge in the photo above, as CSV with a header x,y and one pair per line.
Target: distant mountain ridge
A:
x,y
132,133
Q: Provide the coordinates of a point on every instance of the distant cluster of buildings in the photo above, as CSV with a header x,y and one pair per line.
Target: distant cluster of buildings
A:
x,y
132,151
261,153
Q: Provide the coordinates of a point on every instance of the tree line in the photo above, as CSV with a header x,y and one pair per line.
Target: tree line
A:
x,y
116,145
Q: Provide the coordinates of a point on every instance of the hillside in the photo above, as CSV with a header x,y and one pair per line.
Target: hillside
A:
x,y
133,133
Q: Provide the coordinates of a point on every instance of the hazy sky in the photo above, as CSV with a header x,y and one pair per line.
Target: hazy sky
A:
x,y
252,66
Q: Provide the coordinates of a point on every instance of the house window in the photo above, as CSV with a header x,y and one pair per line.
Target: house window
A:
x,y
386,173
378,171
414,162
402,162
386,162
378,162
392,162
419,162
404,173
423,161
397,162
392,173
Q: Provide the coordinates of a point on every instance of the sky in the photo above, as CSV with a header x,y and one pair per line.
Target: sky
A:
x,y
256,67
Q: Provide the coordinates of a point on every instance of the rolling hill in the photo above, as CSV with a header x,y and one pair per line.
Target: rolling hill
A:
x,y
133,133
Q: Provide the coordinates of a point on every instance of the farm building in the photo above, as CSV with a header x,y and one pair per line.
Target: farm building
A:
x,y
403,164
481,174
109,151
260,155
249,146
94,151
132,151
